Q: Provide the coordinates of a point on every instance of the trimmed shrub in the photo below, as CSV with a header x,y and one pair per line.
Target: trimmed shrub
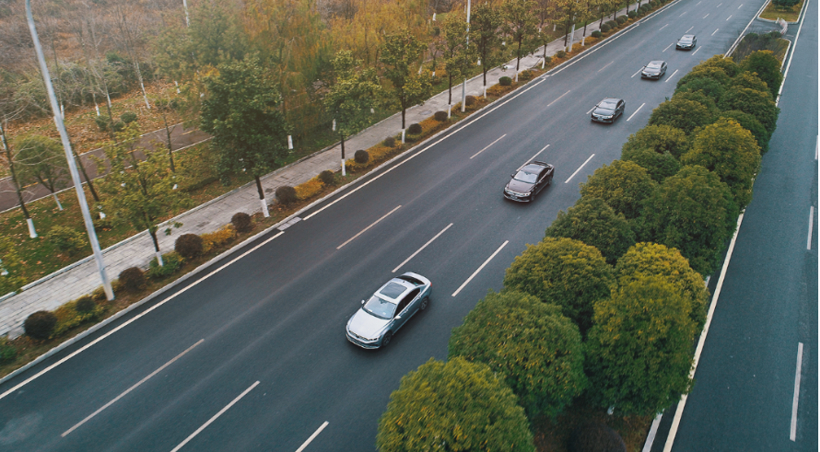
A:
x,y
414,129
172,262
86,304
102,122
68,317
560,54
604,29
597,34
440,116
219,237
7,351
327,177
389,142
286,195
525,75
547,60
128,117
310,188
469,101
103,224
188,246
621,20
132,279
596,437
242,221
612,24
505,81
361,156
40,325
66,239
633,14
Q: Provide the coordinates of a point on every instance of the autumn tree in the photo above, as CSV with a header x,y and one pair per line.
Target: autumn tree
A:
x,y
485,23
751,124
7,111
241,111
543,15
519,26
537,350
623,185
564,272
767,67
459,55
400,54
42,160
595,223
11,267
457,405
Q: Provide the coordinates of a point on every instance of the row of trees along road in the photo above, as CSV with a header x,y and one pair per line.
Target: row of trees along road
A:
x,y
604,311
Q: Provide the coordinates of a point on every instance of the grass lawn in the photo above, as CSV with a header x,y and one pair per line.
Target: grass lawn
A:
x,y
772,12
753,42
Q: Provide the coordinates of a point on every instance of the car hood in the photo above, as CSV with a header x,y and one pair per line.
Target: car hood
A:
x,y
366,325
519,186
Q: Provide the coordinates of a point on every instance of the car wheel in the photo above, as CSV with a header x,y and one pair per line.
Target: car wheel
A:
x,y
386,339
424,302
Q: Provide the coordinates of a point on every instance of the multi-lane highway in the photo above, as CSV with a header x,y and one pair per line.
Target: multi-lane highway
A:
x,y
251,355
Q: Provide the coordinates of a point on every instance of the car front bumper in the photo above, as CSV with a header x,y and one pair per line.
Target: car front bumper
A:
x,y
603,120
369,345
684,46
651,76
517,198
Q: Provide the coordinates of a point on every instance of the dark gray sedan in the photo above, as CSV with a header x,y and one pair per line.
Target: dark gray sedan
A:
x,y
608,110
654,70
687,42
528,181
375,323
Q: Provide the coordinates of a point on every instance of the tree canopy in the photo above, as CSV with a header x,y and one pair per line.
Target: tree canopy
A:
x,y
659,166
684,114
659,138
400,55
457,405
592,221
537,350
766,66
42,160
484,25
623,185
756,103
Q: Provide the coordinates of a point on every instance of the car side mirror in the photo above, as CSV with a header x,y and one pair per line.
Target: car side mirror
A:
x,y
398,317
362,301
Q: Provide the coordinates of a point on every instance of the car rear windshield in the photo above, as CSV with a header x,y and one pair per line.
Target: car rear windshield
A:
x,y
524,176
411,280
380,308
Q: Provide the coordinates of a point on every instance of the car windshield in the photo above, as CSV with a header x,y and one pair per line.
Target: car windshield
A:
x,y
607,105
379,307
686,39
653,65
524,176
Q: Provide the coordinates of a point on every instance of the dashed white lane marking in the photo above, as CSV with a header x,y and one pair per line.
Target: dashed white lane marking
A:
x,y
367,228
727,19
689,29
667,47
713,33
312,437
488,146
464,284
707,15
215,417
590,110
559,97
633,76
659,29
88,418
796,397
422,248
741,5
683,13
605,66
670,77
579,168
533,157
696,51
636,112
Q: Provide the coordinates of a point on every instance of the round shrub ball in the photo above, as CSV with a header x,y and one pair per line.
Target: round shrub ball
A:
x,y
188,246
621,20
86,304
505,81
132,279
560,54
470,101
440,116
612,24
633,14
414,129
327,177
361,157
525,75
605,28
286,195
596,34
40,325
128,117
389,142
242,221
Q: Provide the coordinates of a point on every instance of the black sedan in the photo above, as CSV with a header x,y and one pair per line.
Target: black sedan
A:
x,y
528,181
687,42
654,70
608,110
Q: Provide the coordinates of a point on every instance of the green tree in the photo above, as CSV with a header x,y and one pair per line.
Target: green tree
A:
x,y
592,221
640,347
749,80
241,110
756,103
140,193
563,272
11,267
659,138
659,166
351,96
731,152
709,72
700,97
458,406
42,160
537,350
519,26
684,114
767,67
709,86
623,185
653,259
400,54
751,124
728,65
693,211
459,56
485,22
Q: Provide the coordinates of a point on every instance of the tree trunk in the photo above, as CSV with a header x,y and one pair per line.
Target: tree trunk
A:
x,y
170,145
31,231
343,153
261,196
153,235
85,174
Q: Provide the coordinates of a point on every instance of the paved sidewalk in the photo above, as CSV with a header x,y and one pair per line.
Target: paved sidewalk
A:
x,y
82,277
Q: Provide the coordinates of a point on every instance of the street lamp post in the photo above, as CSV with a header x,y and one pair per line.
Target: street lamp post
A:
x,y
464,83
72,165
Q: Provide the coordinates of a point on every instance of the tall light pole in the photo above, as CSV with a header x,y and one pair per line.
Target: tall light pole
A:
x,y
464,83
72,165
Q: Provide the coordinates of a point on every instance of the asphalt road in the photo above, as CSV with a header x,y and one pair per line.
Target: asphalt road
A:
x,y
184,375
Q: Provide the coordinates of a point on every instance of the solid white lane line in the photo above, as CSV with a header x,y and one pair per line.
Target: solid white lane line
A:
x,y
690,28
667,47
794,44
312,437
659,29
365,229
796,397
215,416
422,248
673,430
559,97
464,284
670,77
636,112
713,33
811,226
136,317
727,19
533,157
579,168
486,147
633,76
88,418
605,66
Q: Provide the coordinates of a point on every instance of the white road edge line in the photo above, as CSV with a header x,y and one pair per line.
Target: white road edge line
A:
x,y
312,437
670,77
215,416
365,229
793,46
533,157
636,112
653,431
422,248
743,33
796,397
136,317
579,168
113,401
487,147
559,97
811,226
605,66
673,430
464,284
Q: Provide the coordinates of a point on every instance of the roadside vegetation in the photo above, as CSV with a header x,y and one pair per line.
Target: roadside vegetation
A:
x,y
788,10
